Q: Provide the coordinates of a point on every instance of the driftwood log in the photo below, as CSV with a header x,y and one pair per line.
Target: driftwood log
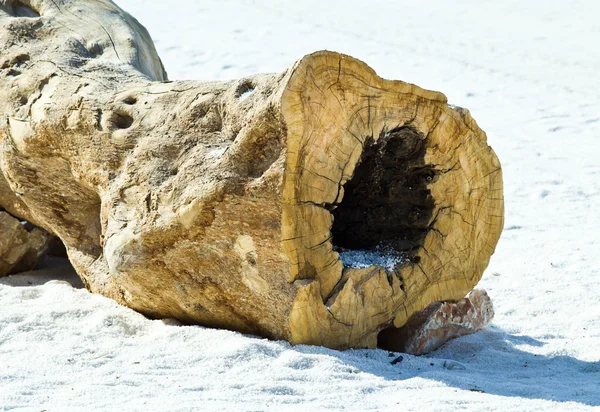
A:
x,y
21,246
227,204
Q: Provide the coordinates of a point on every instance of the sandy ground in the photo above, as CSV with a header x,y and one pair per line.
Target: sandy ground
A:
x,y
528,71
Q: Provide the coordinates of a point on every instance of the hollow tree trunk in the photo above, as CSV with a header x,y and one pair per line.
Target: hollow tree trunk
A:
x,y
227,203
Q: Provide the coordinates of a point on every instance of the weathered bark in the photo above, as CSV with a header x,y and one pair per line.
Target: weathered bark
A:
x,y
20,249
224,203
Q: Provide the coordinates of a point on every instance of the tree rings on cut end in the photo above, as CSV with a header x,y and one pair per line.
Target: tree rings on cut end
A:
x,y
384,167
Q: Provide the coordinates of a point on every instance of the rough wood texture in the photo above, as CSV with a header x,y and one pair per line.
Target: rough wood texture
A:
x,y
214,202
20,249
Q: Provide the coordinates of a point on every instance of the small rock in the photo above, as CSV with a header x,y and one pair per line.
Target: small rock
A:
x,y
397,360
440,322
452,365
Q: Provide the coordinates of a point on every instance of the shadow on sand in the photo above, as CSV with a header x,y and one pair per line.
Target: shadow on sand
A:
x,y
53,268
491,361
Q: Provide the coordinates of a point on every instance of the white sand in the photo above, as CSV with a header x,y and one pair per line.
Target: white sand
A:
x,y
367,258
529,73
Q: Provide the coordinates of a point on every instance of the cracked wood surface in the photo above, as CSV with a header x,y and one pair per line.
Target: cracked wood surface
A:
x,y
212,202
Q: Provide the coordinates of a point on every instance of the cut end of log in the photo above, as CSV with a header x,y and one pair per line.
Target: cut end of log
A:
x,y
386,168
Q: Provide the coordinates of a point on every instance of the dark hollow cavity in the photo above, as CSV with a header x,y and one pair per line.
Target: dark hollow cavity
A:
x,y
244,89
122,120
130,100
20,9
387,204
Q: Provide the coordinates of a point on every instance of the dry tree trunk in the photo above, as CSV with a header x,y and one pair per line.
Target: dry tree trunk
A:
x,y
20,249
226,203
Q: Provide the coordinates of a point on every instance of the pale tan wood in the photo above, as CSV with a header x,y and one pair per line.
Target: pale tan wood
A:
x,y
20,249
336,102
213,202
